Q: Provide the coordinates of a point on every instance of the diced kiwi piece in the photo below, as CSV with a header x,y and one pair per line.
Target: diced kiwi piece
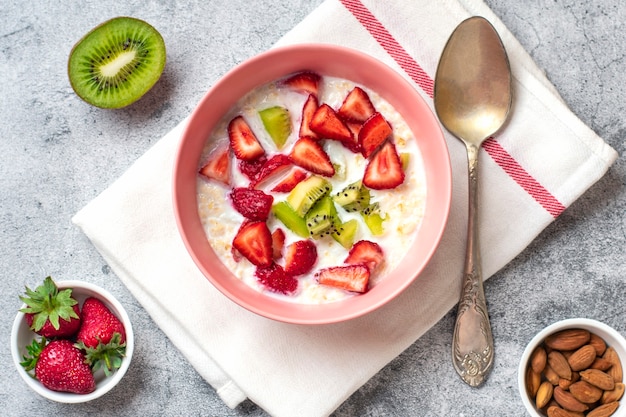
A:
x,y
344,232
286,214
277,122
373,219
358,203
321,217
117,62
405,158
307,192
348,195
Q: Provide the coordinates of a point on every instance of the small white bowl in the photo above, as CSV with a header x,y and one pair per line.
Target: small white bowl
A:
x,y
610,336
22,335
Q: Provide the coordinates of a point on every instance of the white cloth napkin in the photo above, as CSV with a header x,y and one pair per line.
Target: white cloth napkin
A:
x,y
541,162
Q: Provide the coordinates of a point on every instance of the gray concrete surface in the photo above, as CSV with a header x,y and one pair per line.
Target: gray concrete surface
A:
x,y
58,153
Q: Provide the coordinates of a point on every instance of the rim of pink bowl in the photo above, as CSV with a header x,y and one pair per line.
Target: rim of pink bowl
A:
x,y
328,60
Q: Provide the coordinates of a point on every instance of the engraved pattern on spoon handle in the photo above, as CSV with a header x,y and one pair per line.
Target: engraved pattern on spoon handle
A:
x,y
472,340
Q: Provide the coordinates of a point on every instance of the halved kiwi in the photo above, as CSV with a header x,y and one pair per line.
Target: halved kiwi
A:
x,y
117,62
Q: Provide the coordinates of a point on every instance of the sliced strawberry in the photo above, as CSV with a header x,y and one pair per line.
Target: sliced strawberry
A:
x,y
309,154
328,125
304,82
290,181
357,106
384,170
275,279
278,243
272,168
237,257
308,110
218,166
300,256
252,204
373,133
347,277
355,128
366,253
254,242
251,168
243,140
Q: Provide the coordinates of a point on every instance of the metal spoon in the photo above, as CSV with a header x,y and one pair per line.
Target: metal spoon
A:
x,y
472,99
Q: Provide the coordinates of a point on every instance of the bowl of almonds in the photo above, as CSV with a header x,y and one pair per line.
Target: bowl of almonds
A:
x,y
573,368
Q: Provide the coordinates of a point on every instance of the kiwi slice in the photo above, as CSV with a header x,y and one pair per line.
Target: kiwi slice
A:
x,y
321,217
405,158
373,219
307,192
344,233
283,212
117,62
349,195
277,122
354,197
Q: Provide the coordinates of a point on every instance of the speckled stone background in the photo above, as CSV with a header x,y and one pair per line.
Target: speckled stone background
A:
x,y
58,153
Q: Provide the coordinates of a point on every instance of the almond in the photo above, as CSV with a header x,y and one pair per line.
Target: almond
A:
x,y
605,410
598,378
601,364
551,376
533,381
613,395
566,383
567,400
584,392
598,343
544,394
559,364
555,411
582,358
616,370
538,359
569,339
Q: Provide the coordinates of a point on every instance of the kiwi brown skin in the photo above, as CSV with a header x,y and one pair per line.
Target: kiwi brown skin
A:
x,y
140,53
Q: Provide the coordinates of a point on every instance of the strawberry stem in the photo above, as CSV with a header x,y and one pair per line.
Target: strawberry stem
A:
x,y
29,361
106,356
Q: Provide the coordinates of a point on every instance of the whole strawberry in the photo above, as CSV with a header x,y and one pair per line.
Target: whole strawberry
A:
x,y
49,312
61,366
101,336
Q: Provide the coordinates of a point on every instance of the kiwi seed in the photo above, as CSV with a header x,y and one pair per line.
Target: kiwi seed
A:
x,y
117,62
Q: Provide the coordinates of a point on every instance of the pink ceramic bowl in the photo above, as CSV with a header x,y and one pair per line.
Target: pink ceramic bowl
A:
x,y
331,61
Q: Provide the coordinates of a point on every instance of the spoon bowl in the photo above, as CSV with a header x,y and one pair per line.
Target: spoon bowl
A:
x,y
473,82
472,100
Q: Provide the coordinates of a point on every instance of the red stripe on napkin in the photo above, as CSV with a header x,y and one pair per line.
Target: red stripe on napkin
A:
x,y
526,181
393,48
426,83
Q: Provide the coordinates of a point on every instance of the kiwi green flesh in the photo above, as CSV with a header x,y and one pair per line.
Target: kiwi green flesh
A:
x,y
348,195
374,222
321,217
287,215
344,233
354,197
117,62
307,192
373,219
277,122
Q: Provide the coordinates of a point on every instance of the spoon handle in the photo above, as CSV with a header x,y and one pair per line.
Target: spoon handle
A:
x,y
472,341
